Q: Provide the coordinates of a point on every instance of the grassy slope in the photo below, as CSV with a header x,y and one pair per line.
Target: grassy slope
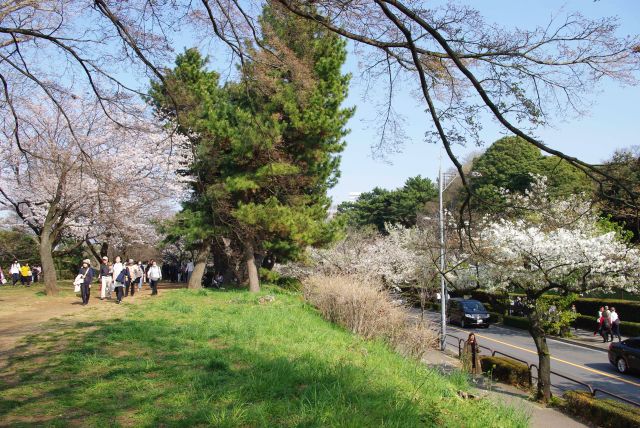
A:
x,y
222,359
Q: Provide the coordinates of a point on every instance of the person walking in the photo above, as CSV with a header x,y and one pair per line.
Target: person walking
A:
x,y
155,275
14,270
189,270
599,321
106,278
605,326
130,283
87,277
575,320
615,324
25,275
471,355
3,280
37,270
607,323
119,277
141,271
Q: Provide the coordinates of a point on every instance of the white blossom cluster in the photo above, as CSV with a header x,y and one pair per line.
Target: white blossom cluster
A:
x,y
90,175
395,259
543,243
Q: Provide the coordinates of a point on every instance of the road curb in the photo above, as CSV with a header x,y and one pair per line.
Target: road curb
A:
x,y
574,342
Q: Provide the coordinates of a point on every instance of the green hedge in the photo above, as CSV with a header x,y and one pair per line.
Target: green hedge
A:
x,y
517,322
630,329
586,322
603,413
495,317
507,370
628,310
589,323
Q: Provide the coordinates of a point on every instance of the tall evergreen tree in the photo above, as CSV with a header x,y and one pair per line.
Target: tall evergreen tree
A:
x,y
267,147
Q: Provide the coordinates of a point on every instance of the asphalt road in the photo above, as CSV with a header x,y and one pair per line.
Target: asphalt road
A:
x,y
584,364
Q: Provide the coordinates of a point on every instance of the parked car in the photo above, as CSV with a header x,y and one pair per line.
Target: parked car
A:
x,y
467,312
625,355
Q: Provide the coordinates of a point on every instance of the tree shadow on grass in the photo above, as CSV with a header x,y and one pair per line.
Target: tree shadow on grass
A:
x,y
153,373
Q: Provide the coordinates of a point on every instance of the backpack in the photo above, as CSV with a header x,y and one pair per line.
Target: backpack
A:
x,y
123,273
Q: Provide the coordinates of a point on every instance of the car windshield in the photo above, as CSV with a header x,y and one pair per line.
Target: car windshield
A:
x,y
473,306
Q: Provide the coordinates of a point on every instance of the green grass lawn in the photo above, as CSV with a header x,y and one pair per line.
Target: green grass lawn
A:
x,y
210,358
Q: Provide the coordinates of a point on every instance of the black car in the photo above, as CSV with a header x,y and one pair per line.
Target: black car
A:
x,y
467,313
625,355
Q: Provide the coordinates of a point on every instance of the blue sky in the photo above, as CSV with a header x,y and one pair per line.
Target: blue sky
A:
x,y
611,123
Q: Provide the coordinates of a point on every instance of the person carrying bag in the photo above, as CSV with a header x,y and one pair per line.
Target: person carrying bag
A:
x,y
85,277
119,283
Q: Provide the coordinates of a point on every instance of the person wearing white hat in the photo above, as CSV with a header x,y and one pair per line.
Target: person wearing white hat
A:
x,y
87,274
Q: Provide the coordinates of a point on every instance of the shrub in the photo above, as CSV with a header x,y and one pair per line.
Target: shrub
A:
x,y
629,329
517,322
366,309
495,317
604,413
628,310
507,370
586,322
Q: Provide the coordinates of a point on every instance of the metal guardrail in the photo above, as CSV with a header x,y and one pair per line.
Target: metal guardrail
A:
x,y
592,391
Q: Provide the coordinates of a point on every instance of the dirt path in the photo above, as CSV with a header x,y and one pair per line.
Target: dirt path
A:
x,y
27,311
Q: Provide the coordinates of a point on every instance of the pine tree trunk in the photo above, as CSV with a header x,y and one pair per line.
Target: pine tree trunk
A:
x,y
46,258
195,281
544,357
252,269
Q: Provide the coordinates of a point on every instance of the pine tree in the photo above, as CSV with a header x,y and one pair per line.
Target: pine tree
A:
x,y
266,147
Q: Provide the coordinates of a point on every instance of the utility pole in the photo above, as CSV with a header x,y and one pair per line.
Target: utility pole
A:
x,y
443,287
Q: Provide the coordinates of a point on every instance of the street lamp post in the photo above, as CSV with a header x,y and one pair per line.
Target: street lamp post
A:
x,y
443,286
444,181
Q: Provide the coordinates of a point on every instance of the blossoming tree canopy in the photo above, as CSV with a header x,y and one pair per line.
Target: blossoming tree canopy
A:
x,y
85,185
542,244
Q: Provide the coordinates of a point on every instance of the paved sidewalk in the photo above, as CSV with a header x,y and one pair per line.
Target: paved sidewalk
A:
x,y
540,417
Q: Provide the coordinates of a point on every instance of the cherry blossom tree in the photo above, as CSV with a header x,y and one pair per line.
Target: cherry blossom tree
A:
x,y
543,245
395,260
97,184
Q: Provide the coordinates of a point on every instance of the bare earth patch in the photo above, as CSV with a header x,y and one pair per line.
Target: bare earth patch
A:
x,y
26,311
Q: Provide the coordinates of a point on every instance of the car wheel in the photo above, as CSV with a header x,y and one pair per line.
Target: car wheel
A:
x,y
461,323
621,365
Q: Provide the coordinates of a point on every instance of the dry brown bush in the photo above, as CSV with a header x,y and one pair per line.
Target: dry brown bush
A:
x,y
366,309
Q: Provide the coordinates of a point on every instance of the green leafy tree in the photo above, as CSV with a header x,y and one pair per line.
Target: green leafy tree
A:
x,y
617,199
510,163
17,244
379,206
267,147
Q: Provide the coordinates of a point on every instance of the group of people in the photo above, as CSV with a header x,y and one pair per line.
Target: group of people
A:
x,y
608,324
121,278
24,274
179,272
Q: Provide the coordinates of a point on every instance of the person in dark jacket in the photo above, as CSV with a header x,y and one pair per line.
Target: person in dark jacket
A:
x,y
87,272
